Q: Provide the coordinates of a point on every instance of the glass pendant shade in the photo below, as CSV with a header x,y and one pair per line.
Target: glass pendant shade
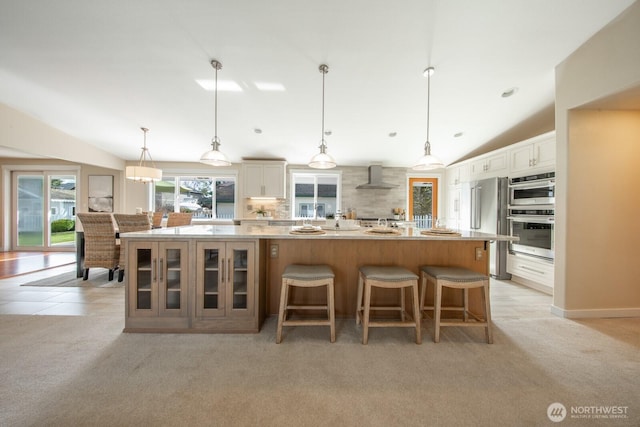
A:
x,y
215,157
142,172
427,162
322,160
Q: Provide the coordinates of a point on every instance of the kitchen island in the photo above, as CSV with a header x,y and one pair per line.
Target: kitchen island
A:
x,y
225,278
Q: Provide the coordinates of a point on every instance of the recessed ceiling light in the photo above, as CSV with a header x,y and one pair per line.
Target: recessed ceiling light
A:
x,y
507,93
270,87
223,85
458,134
257,130
392,134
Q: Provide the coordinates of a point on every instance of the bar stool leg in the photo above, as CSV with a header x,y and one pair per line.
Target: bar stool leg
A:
x,y
465,297
281,311
331,310
417,313
365,320
437,302
403,309
423,291
487,311
359,298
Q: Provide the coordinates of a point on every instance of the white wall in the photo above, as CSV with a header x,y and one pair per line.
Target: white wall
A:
x,y
24,133
596,269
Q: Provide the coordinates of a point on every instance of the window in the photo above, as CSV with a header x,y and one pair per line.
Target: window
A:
x,y
315,195
205,196
423,200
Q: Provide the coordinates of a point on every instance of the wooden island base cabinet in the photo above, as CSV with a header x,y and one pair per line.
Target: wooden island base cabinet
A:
x,y
225,278
346,256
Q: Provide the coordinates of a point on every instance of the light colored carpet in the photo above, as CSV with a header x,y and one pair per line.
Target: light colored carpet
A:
x,y
97,279
62,371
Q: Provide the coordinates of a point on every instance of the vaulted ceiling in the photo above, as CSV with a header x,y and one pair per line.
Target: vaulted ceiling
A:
x,y
101,70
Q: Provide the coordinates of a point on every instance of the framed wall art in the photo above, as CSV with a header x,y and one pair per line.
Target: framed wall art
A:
x,y
100,193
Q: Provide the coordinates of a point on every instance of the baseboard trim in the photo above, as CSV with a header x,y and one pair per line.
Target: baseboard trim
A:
x,y
596,313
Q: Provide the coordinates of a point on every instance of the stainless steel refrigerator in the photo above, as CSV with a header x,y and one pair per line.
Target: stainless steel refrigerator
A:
x,y
489,199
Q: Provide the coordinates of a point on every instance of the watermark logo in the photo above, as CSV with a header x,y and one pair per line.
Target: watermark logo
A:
x,y
556,412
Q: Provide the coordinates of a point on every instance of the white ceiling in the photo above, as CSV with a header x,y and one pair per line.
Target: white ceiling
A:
x,y
101,70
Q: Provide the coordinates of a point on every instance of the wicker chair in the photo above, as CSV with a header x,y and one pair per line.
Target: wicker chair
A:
x,y
100,248
156,220
127,223
177,219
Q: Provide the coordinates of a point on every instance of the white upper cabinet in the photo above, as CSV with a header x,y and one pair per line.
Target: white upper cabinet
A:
x,y
533,155
489,166
264,179
458,174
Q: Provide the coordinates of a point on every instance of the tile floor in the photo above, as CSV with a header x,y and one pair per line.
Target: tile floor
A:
x,y
508,300
64,301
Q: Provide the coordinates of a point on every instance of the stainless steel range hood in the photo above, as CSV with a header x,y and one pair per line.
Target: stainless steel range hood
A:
x,y
375,180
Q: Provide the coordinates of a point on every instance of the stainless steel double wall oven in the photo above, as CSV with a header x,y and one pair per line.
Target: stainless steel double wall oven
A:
x,y
531,214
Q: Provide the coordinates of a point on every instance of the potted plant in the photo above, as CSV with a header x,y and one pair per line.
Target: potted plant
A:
x,y
331,220
260,213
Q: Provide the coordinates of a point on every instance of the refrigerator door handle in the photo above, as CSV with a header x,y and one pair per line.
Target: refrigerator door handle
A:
x,y
475,208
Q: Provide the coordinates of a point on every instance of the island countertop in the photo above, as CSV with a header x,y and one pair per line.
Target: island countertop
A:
x,y
250,231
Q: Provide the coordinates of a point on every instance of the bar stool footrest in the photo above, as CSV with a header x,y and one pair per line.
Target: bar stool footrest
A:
x,y
307,307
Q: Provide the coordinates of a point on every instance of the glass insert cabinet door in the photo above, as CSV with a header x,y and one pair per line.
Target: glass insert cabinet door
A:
x,y
225,279
157,275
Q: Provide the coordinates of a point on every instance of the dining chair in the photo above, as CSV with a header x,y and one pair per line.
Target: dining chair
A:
x,y
177,219
126,224
156,219
101,250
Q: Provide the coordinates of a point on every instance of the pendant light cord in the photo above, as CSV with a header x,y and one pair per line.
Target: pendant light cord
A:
x,y
322,135
215,106
428,101
145,151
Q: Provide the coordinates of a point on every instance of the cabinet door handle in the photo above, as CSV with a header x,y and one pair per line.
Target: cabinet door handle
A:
x,y
222,272
161,268
154,272
228,269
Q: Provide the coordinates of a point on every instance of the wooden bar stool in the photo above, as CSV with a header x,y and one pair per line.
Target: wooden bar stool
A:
x,y
456,278
389,277
306,276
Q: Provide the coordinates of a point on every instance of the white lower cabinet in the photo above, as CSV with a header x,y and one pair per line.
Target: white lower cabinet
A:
x,y
538,271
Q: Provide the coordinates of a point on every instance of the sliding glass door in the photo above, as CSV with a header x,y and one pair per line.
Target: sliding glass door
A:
x,y
44,210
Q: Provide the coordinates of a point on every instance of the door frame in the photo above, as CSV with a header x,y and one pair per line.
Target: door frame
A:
x,y
435,180
7,216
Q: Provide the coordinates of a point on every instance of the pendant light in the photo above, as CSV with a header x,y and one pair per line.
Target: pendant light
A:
x,y
428,161
142,172
322,160
215,157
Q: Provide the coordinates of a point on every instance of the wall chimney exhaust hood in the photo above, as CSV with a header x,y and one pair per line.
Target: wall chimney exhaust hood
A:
x,y
375,180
